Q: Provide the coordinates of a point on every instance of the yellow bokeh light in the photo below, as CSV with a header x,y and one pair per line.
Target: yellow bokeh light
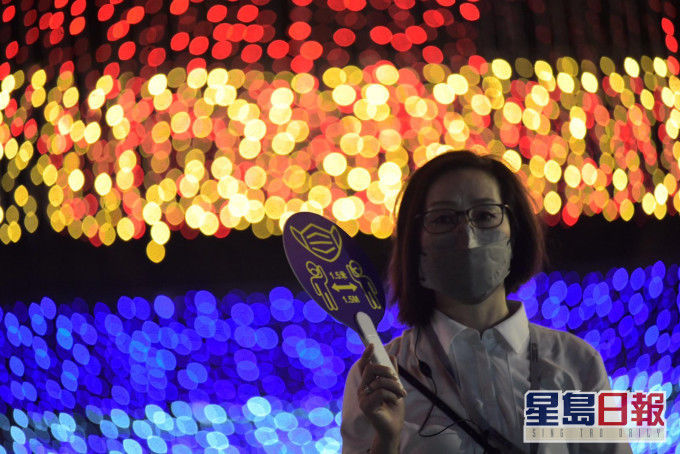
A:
x,y
660,67
387,74
127,160
155,251
92,132
218,77
358,179
8,83
255,177
631,66
501,69
512,112
274,206
334,164
318,194
458,83
620,179
344,95
343,209
221,167
114,115
552,202
96,98
255,129
125,229
389,173
303,83
21,195
151,213
443,93
283,143
157,84
210,224
589,82
76,179
103,184
180,122
481,104
660,194
333,77
540,95
513,160
648,203
589,174
282,97
194,216
197,78
38,78
577,128
376,94
565,82
238,205
552,171
543,70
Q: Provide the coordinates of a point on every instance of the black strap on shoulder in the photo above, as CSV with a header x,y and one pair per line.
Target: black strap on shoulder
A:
x,y
492,442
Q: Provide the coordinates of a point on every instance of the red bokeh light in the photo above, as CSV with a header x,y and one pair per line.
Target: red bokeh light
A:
x,y
135,15
433,18
433,54
469,11
401,42
156,56
221,50
355,5
247,13
77,25
344,37
381,35
179,7
127,50
180,41
311,50
77,7
299,30
217,13
8,13
278,48
199,45
251,53
12,49
416,34
105,12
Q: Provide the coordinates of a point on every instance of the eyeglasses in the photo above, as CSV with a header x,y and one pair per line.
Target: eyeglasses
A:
x,y
485,216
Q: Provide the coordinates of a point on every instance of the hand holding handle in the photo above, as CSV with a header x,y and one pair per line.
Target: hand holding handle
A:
x,y
370,336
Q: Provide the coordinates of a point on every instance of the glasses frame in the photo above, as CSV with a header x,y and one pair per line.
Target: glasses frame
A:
x,y
504,206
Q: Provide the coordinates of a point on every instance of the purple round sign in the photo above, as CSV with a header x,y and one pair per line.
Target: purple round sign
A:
x,y
333,269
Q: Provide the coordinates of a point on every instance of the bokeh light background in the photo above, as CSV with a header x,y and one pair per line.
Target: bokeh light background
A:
x,y
142,120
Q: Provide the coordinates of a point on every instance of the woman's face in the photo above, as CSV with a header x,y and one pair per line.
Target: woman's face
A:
x,y
462,189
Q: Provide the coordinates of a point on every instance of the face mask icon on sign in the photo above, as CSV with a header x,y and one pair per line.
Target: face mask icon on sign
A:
x,y
325,244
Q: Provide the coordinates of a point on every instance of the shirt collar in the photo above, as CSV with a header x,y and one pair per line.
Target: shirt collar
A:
x,y
514,329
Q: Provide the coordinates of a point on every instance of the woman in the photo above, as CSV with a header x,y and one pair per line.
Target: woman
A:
x,y
466,237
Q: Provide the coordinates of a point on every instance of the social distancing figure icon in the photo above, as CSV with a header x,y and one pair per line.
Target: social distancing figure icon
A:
x,y
319,282
334,271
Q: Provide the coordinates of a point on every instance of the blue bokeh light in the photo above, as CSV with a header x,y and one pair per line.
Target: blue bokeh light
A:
x,y
253,372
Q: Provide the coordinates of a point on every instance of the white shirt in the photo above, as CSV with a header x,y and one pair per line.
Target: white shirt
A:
x,y
493,371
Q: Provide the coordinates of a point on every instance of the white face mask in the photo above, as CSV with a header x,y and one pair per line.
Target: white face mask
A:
x,y
469,274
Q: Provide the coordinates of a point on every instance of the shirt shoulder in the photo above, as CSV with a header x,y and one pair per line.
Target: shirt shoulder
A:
x,y
568,354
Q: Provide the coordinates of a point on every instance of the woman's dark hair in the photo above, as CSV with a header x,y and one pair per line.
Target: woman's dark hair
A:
x,y
416,303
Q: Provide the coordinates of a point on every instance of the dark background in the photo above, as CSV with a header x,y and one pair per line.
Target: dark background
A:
x,y
49,264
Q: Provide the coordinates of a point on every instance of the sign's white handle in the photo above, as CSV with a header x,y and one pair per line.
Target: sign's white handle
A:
x,y
370,336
